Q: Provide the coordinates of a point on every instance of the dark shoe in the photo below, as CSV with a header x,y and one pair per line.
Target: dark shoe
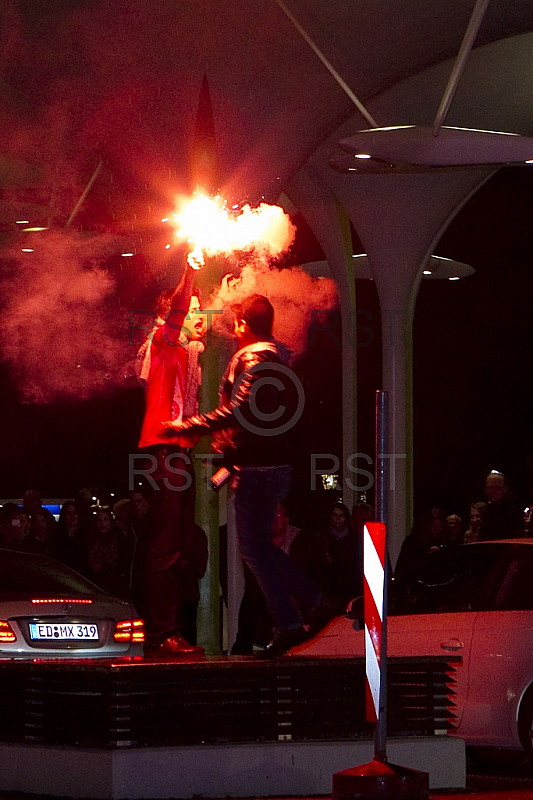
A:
x,y
240,649
283,640
325,609
176,645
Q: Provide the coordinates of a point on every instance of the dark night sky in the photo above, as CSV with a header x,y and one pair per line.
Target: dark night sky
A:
x,y
473,371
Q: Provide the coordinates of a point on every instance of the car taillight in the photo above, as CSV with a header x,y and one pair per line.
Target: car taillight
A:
x,y
130,630
7,633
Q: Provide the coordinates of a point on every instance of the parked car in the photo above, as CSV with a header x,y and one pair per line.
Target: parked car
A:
x,y
475,602
48,611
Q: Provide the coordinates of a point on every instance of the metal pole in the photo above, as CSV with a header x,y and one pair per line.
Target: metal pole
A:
x,y
332,71
84,195
381,503
460,63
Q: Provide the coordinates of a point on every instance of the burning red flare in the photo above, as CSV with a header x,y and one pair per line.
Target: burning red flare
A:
x,y
210,227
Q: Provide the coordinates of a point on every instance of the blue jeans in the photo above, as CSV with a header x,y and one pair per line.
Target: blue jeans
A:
x,y
286,587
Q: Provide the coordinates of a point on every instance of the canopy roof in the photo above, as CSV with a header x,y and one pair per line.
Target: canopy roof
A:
x,y
88,77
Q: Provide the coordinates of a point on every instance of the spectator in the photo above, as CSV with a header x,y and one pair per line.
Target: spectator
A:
x,y
15,527
24,529
139,520
429,537
127,541
301,545
476,515
103,554
502,519
342,553
255,622
72,541
138,510
455,527
43,531
32,502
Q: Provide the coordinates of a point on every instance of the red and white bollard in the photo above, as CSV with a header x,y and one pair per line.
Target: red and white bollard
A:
x,y
374,538
378,779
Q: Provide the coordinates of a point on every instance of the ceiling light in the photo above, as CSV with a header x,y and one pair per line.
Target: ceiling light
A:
x,y
27,250
438,268
36,228
390,128
22,222
480,130
362,155
126,255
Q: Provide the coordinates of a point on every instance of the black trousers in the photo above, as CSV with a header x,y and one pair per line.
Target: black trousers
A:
x,y
168,541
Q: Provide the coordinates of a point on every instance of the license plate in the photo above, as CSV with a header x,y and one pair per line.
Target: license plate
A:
x,y
63,631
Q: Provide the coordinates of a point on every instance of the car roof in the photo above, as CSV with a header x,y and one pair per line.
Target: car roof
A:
x,y
522,540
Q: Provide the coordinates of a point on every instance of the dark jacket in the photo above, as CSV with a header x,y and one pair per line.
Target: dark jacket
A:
x,y
501,520
260,403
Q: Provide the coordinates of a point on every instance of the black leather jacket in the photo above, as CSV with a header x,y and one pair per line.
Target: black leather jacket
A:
x,y
260,402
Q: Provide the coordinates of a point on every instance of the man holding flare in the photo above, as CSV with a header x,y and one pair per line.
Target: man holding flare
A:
x,y
168,369
260,403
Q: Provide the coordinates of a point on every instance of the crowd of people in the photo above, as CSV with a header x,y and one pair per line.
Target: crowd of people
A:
x,y
496,517
105,540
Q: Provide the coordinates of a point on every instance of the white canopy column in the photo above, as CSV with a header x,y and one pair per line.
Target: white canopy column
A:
x,y
399,219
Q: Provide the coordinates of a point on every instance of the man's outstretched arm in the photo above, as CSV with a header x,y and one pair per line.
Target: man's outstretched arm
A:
x,y
180,301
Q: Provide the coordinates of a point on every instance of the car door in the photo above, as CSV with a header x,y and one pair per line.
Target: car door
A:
x,y
502,643
434,610
437,634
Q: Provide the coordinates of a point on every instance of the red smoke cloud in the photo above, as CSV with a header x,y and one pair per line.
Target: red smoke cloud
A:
x,y
294,294
58,330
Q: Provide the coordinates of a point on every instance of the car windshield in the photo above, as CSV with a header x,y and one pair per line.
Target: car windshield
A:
x,y
24,576
487,576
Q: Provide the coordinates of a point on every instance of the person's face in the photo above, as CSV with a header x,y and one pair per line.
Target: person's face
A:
x,y
195,322
40,526
454,525
475,518
71,516
495,487
338,520
437,528
104,520
239,329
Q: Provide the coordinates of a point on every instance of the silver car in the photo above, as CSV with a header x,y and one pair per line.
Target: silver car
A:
x,y
475,602
49,611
